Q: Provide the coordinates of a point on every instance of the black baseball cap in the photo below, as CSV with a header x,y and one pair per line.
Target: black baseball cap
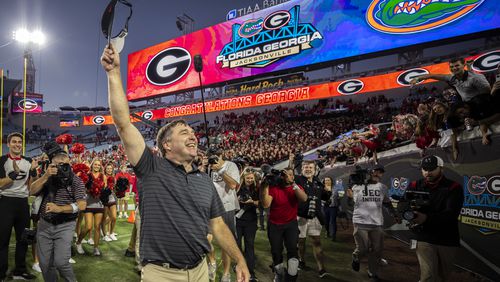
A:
x,y
430,163
378,167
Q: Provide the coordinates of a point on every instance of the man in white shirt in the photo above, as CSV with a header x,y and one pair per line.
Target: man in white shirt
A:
x,y
226,178
367,218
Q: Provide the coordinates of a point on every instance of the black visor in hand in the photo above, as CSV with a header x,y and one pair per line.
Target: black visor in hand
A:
x,y
108,16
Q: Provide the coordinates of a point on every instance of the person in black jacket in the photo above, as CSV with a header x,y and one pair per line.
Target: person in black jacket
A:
x,y
246,218
436,224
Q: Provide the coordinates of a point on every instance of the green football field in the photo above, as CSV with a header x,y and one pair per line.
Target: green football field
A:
x,y
113,266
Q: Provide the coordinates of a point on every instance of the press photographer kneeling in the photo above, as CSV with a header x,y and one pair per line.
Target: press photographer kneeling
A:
x,y
62,197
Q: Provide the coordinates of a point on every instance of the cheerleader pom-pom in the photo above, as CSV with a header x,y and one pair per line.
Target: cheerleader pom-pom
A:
x,y
64,139
77,148
96,187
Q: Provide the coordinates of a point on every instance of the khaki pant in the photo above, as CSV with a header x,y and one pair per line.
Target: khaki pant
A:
x,y
369,241
435,261
155,273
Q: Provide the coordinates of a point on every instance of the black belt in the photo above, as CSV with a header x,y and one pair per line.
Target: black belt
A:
x,y
59,220
174,265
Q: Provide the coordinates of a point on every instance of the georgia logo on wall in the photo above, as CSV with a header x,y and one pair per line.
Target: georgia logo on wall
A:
x,y
97,120
405,77
351,86
29,105
408,16
168,66
487,62
147,115
260,42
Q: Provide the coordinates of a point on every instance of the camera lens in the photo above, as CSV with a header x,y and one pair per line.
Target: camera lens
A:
x,y
409,215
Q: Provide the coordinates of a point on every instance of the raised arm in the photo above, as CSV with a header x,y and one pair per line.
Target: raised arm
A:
x,y
265,198
440,77
130,136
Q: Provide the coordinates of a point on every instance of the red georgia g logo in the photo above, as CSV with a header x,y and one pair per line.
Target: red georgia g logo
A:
x,y
408,16
29,105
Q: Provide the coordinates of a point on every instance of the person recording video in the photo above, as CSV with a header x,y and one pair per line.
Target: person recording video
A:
x,y
282,196
226,178
434,220
369,196
63,196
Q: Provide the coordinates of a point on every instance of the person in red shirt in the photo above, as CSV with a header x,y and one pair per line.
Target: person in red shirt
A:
x,y
282,196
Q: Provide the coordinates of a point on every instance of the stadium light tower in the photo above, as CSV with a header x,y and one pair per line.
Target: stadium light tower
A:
x,y
185,24
28,39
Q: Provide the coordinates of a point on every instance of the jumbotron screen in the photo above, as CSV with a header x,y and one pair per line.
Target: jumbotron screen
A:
x,y
300,33
33,103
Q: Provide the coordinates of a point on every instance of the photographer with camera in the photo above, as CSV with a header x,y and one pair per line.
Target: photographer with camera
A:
x,y
246,218
16,173
63,196
435,223
282,196
311,217
226,178
369,196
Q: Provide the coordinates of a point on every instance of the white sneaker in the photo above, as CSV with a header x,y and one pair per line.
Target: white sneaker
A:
x,y
79,249
226,278
113,237
84,241
107,239
114,234
36,267
72,261
90,242
120,215
97,252
75,235
212,269
125,215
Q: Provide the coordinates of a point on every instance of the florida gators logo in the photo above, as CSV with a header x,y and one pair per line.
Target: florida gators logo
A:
x,y
250,28
407,16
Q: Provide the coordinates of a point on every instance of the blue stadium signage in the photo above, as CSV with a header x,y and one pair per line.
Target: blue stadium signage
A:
x,y
257,43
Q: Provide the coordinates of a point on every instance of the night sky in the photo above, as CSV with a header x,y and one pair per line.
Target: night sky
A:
x,y
68,68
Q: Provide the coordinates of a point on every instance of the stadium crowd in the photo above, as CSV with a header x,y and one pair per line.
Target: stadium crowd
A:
x,y
295,202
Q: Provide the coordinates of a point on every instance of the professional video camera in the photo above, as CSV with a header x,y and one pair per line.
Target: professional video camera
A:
x,y
271,176
413,201
241,161
322,153
359,176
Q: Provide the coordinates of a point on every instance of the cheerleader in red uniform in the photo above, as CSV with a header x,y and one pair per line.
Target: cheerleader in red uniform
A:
x,y
95,209
123,181
109,221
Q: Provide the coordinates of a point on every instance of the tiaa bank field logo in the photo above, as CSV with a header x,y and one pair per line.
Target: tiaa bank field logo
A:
x,y
259,42
408,16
